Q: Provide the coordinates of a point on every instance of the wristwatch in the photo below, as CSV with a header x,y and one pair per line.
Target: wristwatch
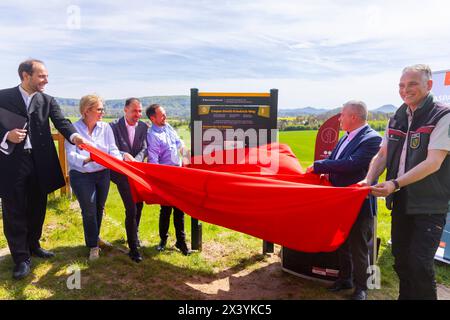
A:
x,y
396,184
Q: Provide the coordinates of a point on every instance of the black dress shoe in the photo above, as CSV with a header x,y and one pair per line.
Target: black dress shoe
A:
x,y
135,256
359,295
339,285
21,270
162,245
42,253
183,248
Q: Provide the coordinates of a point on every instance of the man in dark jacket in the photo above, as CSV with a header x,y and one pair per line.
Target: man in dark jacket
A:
x,y
29,165
131,139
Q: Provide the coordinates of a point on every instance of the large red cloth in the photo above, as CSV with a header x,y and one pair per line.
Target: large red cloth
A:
x,y
277,203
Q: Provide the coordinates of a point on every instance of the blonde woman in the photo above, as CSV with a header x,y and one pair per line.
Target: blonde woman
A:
x,y
89,180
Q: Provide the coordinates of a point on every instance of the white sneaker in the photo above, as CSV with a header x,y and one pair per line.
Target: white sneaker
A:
x,y
94,254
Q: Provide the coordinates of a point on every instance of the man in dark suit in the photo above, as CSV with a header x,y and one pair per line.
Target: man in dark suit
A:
x,y
347,165
131,139
32,169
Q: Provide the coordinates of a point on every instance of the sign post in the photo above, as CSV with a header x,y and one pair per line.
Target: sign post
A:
x,y
240,120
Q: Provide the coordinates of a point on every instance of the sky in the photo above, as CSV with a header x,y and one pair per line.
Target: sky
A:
x,y
316,53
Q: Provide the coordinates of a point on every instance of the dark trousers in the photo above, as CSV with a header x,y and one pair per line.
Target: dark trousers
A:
x,y
415,239
354,252
133,212
178,221
91,190
24,212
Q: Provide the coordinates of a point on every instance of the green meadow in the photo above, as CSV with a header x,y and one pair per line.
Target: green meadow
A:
x,y
230,266
302,144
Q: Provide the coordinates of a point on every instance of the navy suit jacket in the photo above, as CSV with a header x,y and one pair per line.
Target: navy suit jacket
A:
x,y
353,163
137,148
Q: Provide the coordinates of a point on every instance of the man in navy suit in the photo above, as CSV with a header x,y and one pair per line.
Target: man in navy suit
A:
x,y
348,164
131,139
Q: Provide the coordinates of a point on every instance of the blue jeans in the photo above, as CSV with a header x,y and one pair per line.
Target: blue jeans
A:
x,y
91,190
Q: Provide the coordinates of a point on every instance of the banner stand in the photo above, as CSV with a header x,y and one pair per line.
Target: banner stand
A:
x,y
323,266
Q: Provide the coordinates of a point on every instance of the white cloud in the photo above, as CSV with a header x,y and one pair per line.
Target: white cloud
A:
x,y
166,47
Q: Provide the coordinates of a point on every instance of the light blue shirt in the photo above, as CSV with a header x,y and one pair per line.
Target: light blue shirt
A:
x,y
102,138
163,144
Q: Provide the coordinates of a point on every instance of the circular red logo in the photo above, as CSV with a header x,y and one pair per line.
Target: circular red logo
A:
x,y
329,135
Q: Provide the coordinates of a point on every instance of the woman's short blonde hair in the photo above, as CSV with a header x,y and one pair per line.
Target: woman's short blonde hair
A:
x,y
89,101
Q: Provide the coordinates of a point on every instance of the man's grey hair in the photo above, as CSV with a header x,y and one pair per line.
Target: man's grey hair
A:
x,y
358,107
424,69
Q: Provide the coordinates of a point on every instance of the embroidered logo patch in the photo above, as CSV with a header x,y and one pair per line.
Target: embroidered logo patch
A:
x,y
415,140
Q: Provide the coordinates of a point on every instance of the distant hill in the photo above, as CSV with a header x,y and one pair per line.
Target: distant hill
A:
x,y
179,107
300,112
176,106
387,108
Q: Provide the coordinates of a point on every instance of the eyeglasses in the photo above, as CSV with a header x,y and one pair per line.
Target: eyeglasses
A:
x,y
100,110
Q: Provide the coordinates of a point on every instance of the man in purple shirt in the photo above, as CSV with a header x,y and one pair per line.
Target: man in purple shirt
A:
x,y
164,145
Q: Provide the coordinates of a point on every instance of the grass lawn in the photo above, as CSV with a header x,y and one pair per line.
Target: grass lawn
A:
x,y
230,266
